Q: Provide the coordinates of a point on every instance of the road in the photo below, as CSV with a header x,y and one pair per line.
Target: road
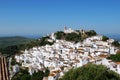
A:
x,y
4,75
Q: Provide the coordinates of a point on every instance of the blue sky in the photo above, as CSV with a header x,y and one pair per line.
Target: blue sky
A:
x,y
24,17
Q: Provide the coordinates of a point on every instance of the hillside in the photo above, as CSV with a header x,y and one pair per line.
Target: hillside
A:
x,y
63,50
16,40
91,72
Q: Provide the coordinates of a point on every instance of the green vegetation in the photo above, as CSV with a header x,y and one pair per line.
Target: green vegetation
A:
x,y
60,35
90,33
115,57
74,36
116,44
10,41
24,75
91,72
68,36
44,40
15,49
37,76
105,38
13,62
47,72
12,45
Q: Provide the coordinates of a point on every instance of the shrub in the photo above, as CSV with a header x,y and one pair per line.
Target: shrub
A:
x,y
105,38
91,72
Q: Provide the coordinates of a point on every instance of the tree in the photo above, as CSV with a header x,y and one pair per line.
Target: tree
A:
x,y
116,44
73,37
24,75
91,72
47,72
37,75
91,33
60,35
115,57
104,38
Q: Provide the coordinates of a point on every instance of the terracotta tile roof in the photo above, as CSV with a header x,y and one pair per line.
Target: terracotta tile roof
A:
x,y
117,62
103,55
52,74
80,49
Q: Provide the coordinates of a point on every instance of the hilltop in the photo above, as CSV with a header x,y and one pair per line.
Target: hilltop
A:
x,y
62,50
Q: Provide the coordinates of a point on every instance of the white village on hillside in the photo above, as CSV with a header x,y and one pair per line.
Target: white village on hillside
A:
x,y
64,55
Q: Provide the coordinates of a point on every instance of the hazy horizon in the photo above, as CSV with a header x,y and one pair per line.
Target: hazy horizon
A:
x,y
36,36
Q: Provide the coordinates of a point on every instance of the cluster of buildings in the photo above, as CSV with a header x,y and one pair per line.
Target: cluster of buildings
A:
x,y
64,55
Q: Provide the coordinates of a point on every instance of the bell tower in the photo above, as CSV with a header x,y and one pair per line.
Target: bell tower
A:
x,y
65,28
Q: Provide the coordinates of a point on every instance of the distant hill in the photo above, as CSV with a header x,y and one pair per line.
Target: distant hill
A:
x,y
16,40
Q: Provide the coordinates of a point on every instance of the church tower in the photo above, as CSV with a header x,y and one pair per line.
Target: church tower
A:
x,y
65,28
